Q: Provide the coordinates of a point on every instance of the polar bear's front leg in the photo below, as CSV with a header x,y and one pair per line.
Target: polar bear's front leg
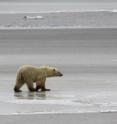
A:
x,y
40,84
43,87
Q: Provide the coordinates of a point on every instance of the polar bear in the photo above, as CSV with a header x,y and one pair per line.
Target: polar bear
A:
x,y
32,74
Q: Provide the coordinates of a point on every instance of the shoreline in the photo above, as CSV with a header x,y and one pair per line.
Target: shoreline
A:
x,y
59,113
62,28
98,118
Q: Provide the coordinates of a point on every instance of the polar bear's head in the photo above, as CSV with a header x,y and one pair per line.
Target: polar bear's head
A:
x,y
52,71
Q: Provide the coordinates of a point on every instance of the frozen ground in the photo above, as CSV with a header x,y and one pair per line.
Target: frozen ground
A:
x,y
87,58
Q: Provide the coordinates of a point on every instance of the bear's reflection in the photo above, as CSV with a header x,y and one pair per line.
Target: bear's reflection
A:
x,y
31,95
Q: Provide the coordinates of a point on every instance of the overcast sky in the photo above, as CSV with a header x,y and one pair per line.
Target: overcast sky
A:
x,y
58,1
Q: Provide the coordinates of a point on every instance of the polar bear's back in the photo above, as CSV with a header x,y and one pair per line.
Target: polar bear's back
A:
x,y
27,68
28,72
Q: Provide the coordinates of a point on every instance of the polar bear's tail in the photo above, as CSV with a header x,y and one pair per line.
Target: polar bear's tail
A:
x,y
18,77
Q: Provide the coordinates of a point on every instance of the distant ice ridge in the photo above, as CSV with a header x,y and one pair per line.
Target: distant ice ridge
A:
x,y
59,11
114,10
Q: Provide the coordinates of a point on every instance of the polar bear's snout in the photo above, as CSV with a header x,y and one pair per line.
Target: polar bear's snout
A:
x,y
59,74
